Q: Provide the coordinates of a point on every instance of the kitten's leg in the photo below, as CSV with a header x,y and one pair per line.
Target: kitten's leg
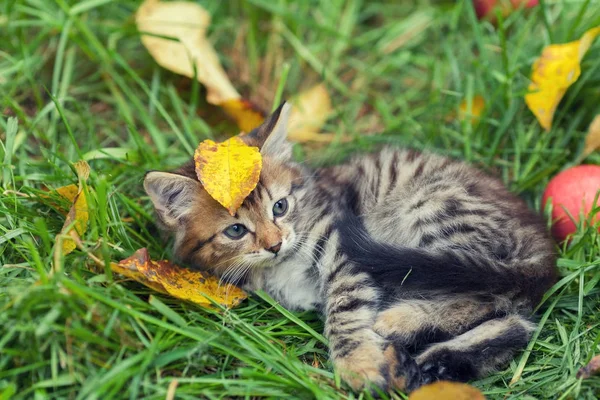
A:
x,y
411,322
359,354
475,353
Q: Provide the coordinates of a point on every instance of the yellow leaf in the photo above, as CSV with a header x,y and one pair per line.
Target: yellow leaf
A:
x,y
229,171
242,111
188,50
553,73
592,140
443,390
186,23
310,110
182,283
477,107
69,192
78,216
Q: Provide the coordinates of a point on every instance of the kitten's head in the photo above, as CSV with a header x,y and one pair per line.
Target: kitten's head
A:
x,y
261,232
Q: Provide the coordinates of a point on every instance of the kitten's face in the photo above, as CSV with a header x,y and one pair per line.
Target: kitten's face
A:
x,y
261,232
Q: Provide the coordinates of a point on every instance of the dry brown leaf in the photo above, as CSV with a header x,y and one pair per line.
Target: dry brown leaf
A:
x,y
182,283
553,73
78,216
229,171
443,390
592,140
592,368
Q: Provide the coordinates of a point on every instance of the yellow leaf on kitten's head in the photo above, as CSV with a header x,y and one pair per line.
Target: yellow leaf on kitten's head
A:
x,y
592,140
553,73
181,283
229,171
444,390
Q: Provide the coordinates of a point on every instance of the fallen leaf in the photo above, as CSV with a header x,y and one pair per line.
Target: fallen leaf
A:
x,y
444,390
310,110
182,283
592,368
78,215
553,73
229,171
477,107
69,192
243,112
174,34
592,140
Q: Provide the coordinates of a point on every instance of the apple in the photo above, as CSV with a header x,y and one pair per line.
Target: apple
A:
x,y
485,7
574,190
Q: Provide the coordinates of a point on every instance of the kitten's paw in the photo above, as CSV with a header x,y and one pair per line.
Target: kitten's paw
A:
x,y
364,366
442,365
389,369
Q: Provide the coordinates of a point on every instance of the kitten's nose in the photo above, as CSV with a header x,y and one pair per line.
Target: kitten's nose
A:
x,y
275,248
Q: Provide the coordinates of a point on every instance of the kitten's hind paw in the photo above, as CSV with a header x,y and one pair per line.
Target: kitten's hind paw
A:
x,y
443,365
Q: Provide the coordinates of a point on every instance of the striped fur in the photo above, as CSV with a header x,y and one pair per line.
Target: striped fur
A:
x,y
423,267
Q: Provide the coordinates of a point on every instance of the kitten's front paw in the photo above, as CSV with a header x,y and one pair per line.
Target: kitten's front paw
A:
x,y
369,365
366,365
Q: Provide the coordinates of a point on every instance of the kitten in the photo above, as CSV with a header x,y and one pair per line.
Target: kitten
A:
x,y
423,267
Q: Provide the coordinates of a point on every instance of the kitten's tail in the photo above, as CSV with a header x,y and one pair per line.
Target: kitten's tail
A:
x,y
420,271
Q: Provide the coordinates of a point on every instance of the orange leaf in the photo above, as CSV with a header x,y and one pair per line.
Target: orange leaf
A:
x,y
553,73
443,390
592,140
182,283
229,171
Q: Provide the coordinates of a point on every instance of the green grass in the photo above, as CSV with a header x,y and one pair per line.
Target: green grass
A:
x,y
80,84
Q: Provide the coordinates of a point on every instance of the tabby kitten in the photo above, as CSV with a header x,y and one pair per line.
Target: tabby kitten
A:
x,y
424,267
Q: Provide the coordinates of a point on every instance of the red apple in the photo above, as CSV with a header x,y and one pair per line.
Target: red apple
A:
x,y
574,190
485,7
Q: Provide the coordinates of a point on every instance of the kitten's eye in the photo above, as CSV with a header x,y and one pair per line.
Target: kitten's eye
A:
x,y
280,208
235,231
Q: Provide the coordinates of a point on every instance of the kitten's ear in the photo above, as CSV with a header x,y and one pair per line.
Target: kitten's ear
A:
x,y
271,136
172,195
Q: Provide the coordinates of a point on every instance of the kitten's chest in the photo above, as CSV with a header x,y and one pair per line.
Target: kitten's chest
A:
x,y
292,284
